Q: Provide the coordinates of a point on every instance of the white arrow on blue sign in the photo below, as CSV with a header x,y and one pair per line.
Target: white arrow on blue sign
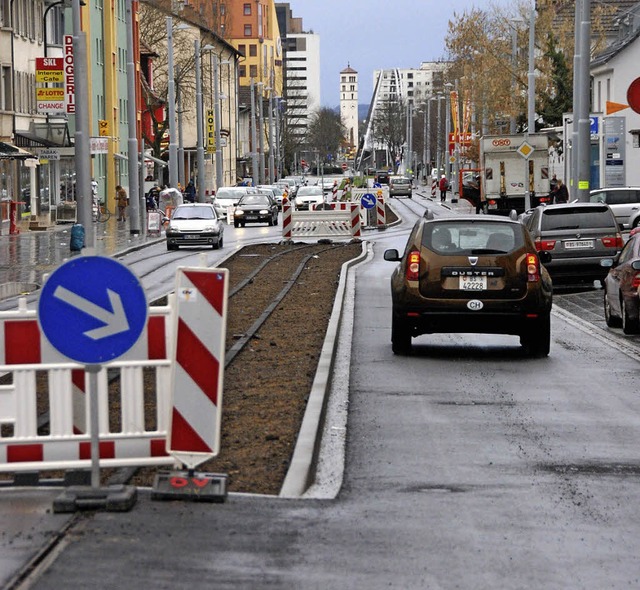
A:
x,y
368,201
92,309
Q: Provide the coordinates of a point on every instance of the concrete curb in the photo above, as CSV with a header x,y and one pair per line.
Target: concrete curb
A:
x,y
300,474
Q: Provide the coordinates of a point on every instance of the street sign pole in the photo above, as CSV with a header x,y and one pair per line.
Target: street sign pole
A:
x,y
93,309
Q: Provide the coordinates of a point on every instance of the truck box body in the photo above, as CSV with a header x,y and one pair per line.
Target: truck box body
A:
x,y
511,166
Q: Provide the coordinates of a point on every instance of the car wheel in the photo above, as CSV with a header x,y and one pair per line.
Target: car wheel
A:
x,y
611,320
538,340
236,224
242,223
275,221
400,337
629,325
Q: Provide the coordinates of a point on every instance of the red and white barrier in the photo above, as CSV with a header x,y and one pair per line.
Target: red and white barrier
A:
x,y
287,222
25,352
356,230
198,364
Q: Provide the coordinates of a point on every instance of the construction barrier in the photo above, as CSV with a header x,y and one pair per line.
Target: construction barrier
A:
x,y
134,438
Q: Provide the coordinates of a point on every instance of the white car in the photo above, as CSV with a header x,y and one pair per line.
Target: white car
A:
x,y
194,224
228,196
307,196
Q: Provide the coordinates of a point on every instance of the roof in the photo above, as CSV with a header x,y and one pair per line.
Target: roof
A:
x,y
9,151
349,70
610,52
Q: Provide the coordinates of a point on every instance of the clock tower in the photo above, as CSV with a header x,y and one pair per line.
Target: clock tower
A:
x,y
349,107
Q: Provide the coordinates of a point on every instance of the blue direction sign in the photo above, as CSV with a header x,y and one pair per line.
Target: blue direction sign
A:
x,y
368,201
92,309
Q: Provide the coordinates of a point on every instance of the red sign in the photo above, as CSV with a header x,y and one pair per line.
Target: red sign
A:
x,y
69,83
303,162
344,166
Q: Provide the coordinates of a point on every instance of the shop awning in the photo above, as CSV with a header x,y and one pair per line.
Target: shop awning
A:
x,y
9,151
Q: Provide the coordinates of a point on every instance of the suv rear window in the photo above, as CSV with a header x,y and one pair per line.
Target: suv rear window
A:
x,y
472,239
577,218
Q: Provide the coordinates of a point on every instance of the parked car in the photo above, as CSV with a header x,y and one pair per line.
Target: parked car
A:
x,y
194,224
624,201
400,186
307,196
472,273
228,196
255,208
579,236
621,302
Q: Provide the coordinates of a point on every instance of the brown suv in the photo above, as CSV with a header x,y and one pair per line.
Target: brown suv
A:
x,y
478,274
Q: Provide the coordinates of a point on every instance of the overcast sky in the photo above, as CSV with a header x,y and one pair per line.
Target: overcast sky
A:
x,y
376,34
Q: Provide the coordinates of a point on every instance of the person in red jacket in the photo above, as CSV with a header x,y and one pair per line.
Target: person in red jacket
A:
x,y
444,186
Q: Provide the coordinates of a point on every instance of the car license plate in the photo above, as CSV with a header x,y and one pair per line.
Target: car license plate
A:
x,y
251,217
191,237
473,283
577,244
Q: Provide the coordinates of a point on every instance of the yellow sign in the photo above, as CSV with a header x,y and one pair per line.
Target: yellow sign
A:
x,y
583,185
49,94
525,150
103,128
211,132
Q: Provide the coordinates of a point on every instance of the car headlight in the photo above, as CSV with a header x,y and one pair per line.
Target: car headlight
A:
x,y
209,228
173,229
264,211
238,212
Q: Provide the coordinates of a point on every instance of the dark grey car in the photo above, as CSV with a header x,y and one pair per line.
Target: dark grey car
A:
x,y
579,236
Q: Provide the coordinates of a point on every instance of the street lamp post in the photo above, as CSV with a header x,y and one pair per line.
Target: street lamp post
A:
x,y
254,138
271,146
447,128
173,146
132,143
199,122
428,130
439,163
261,132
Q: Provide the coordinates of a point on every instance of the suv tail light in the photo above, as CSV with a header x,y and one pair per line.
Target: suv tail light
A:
x,y
533,268
413,265
613,242
544,244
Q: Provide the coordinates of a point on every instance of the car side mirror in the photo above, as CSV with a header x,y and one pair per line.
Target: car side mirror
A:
x,y
392,255
544,256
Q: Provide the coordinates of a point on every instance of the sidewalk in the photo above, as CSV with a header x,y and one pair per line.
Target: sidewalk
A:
x,y
27,256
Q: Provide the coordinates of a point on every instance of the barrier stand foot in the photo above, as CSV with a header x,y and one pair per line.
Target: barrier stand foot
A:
x,y
115,498
194,486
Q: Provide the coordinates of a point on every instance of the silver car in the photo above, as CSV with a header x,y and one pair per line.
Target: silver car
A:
x,y
194,224
624,201
579,237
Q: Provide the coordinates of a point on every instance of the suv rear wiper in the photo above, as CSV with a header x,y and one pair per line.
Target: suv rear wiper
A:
x,y
567,227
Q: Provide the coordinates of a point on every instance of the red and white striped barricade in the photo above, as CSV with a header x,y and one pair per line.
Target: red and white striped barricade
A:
x,y
380,208
434,186
356,230
287,222
198,364
134,440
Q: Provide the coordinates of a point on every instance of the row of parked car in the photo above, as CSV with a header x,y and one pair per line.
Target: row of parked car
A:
x,y
495,274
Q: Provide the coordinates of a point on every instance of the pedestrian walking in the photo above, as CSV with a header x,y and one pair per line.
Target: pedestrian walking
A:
x,y
122,199
190,192
444,187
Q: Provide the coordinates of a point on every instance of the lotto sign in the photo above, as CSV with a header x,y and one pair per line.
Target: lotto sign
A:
x,y
49,69
50,100
198,364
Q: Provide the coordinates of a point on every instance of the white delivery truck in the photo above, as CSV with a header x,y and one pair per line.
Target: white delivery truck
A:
x,y
513,165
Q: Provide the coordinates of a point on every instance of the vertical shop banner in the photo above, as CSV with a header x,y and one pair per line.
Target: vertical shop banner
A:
x,y
69,80
49,99
211,132
614,147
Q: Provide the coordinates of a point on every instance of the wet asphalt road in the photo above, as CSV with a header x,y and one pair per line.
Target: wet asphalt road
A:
x,y
468,466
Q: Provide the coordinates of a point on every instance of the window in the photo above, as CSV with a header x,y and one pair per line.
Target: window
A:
x,y
246,9
247,31
242,71
253,71
253,50
242,48
6,89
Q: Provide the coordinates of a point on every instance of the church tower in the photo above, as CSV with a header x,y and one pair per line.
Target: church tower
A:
x,y
349,108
